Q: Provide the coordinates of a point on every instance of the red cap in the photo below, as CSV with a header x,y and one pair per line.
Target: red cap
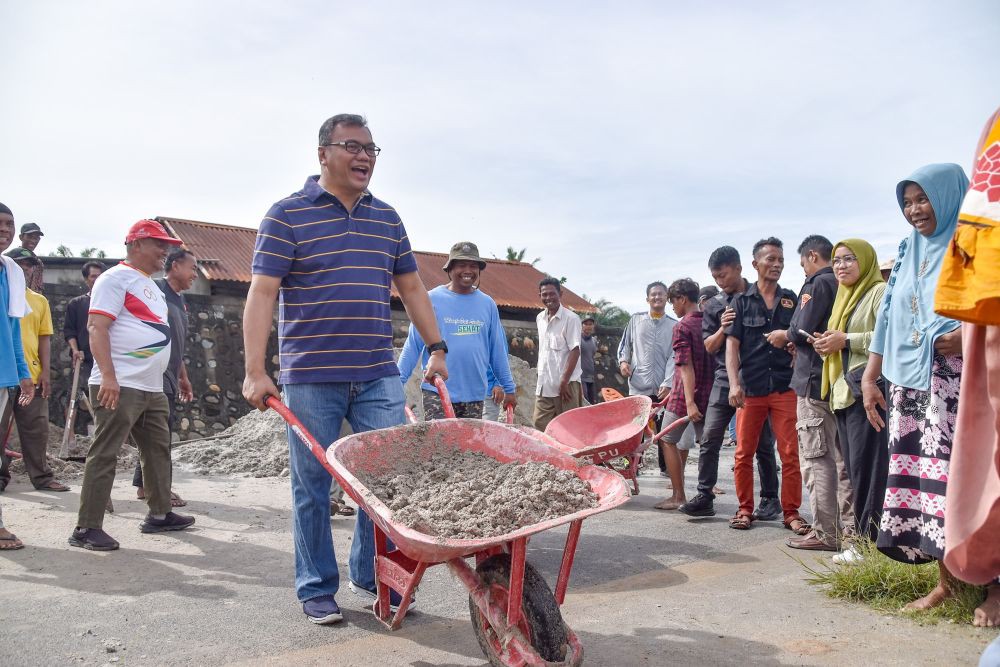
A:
x,y
150,229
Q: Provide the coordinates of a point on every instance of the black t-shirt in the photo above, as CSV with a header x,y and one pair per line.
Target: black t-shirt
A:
x,y
812,314
75,324
711,321
764,369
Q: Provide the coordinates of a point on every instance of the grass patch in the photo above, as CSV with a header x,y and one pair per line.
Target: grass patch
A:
x,y
887,585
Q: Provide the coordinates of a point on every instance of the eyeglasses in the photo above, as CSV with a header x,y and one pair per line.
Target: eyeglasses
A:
x,y
355,147
845,260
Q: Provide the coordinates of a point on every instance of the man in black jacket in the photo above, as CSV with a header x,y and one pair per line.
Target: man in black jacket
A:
x,y
819,447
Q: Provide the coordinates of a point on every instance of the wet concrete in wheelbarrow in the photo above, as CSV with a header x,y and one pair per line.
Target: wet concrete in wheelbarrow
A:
x,y
648,587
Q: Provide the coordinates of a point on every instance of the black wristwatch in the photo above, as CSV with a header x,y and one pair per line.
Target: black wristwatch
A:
x,y
440,345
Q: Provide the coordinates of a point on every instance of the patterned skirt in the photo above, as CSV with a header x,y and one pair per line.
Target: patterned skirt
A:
x,y
921,427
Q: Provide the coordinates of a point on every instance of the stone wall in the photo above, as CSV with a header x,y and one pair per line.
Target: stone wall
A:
x,y
214,357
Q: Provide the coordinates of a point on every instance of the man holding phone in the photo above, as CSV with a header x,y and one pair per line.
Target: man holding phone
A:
x,y
819,447
718,315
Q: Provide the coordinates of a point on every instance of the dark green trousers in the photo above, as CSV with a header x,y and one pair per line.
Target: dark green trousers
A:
x,y
143,414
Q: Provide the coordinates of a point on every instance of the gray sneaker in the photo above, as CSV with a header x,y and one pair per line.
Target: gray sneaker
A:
x,y
769,509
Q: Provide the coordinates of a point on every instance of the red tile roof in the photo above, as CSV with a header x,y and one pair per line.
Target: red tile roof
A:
x,y
225,252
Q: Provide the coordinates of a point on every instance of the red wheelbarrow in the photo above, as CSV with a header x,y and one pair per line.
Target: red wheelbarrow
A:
x,y
605,433
515,615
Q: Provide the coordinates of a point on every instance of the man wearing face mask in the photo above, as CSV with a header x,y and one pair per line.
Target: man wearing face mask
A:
x,y
470,324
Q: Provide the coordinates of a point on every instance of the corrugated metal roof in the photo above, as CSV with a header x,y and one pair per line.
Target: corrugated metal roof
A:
x,y
511,284
225,253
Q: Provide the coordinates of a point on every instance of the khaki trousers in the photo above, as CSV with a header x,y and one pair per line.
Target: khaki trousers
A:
x,y
547,407
143,414
823,471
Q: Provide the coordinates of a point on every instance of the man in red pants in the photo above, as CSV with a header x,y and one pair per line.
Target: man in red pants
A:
x,y
759,378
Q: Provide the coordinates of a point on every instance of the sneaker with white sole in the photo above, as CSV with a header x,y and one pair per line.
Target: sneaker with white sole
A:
x,y
322,610
849,556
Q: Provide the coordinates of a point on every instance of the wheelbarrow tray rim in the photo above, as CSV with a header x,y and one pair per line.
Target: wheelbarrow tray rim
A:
x,y
502,442
579,433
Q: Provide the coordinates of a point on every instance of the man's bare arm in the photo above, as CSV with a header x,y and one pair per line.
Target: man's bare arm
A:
x,y
98,326
421,313
258,315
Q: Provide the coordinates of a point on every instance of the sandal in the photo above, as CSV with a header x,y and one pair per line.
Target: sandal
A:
x,y
53,485
10,543
669,504
797,525
340,508
741,521
176,500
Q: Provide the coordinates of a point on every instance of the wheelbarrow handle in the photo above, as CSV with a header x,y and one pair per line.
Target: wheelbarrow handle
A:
x,y
670,427
446,406
304,435
510,414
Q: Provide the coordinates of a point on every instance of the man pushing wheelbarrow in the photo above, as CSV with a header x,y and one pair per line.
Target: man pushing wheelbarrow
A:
x,y
329,252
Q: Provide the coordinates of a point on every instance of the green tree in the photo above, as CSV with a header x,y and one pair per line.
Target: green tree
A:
x,y
514,255
63,251
608,314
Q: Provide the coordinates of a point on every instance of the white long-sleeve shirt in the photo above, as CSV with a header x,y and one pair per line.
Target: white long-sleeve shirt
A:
x,y
647,346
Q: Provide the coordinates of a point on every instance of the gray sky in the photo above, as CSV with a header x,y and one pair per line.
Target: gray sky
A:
x,y
620,142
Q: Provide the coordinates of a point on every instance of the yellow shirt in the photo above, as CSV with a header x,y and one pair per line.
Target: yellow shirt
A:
x,y
36,323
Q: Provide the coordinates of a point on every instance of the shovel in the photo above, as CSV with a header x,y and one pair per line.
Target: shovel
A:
x,y
69,438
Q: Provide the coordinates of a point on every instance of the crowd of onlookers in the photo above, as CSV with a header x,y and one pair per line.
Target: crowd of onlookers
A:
x,y
861,384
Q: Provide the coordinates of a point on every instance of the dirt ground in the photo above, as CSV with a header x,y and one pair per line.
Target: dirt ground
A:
x,y
648,587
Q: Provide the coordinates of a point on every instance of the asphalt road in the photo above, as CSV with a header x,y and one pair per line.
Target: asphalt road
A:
x,y
648,587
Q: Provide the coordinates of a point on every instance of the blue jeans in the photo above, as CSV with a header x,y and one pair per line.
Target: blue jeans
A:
x,y
322,407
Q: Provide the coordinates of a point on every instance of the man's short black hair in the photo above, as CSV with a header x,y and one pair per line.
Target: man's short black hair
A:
x,y
93,264
330,124
176,255
683,287
818,244
770,240
549,280
727,255
5,209
655,283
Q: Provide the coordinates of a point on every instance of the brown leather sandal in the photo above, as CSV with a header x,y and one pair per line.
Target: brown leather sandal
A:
x,y
797,525
741,521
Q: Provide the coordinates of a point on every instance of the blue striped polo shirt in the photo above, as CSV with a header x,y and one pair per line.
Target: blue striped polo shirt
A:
x,y
336,267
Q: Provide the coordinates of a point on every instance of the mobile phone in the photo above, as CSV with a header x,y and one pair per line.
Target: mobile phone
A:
x,y
809,336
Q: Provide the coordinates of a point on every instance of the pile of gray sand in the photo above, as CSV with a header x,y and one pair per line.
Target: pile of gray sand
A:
x,y
255,446
68,470
468,495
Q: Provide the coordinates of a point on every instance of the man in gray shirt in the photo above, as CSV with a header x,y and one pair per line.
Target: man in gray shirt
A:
x,y
645,355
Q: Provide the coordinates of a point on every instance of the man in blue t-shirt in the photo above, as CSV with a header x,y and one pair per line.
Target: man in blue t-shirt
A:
x,y
331,252
470,323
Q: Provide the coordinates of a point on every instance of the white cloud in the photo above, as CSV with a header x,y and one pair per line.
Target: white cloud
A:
x,y
620,143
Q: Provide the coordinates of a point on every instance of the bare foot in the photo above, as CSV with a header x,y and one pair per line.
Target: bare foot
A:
x,y
716,491
670,503
140,493
987,615
932,599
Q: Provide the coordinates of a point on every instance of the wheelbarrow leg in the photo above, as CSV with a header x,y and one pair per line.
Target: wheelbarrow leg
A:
x,y
517,556
572,538
396,571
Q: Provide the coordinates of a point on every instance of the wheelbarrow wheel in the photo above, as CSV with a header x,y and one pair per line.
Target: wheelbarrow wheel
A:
x,y
541,622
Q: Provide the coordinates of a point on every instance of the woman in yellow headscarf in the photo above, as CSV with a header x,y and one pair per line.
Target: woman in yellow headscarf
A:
x,y
844,347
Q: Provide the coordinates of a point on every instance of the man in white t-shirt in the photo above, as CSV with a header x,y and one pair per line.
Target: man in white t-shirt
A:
x,y
559,370
130,341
